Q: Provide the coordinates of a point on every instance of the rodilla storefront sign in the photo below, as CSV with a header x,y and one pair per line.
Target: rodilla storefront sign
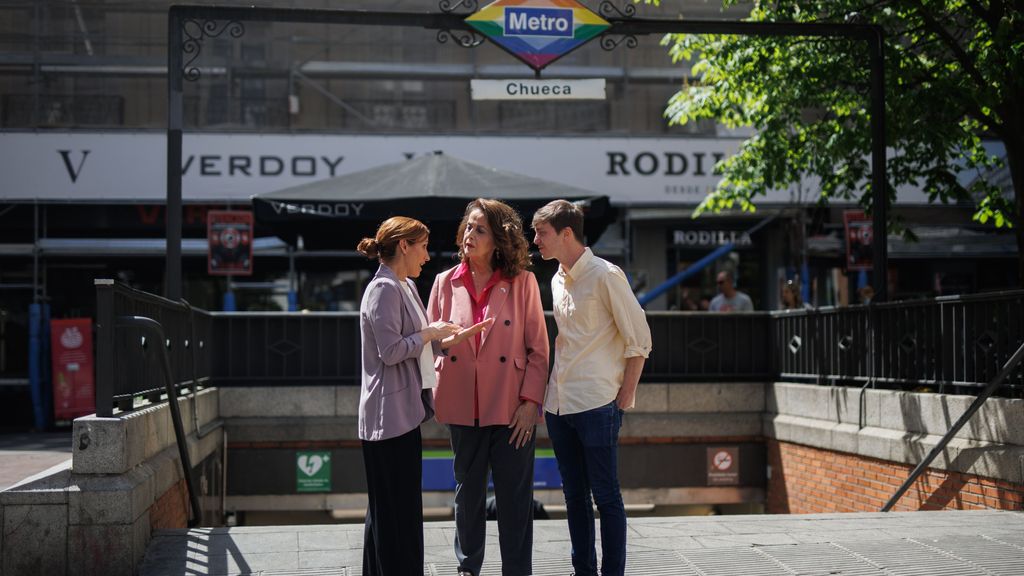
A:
x,y
538,32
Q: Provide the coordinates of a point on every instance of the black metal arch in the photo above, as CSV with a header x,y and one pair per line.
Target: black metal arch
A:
x,y
188,26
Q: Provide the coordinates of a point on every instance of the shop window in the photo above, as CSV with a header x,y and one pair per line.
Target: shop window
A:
x,y
61,110
554,116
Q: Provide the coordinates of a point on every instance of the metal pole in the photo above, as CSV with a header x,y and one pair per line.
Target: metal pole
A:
x,y
104,347
879,184
174,129
35,252
293,291
35,328
35,333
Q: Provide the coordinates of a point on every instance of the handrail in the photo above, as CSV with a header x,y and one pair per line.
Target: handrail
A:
x,y
172,400
122,376
990,389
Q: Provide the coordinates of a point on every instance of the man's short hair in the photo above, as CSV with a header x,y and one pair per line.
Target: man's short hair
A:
x,y
561,214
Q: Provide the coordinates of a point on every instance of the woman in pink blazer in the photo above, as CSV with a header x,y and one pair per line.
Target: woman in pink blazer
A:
x,y
490,387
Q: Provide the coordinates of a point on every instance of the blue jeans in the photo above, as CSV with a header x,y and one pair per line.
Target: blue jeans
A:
x,y
586,446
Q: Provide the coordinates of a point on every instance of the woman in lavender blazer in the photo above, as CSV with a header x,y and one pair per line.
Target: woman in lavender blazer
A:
x,y
398,350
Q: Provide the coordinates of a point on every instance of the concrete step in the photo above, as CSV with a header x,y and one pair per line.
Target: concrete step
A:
x,y
964,543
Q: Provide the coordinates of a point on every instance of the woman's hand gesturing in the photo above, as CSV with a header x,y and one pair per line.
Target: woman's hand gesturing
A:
x,y
439,330
464,333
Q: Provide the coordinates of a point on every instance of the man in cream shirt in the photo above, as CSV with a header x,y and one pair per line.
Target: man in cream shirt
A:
x,y
603,340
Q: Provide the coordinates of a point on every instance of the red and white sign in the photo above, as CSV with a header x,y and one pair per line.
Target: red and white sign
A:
x,y
859,235
229,233
74,387
724,466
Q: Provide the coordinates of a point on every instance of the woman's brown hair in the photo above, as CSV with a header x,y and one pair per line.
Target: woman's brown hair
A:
x,y
511,250
389,234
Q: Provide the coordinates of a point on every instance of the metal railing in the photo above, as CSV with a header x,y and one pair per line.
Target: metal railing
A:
x,y
709,346
279,348
129,365
953,344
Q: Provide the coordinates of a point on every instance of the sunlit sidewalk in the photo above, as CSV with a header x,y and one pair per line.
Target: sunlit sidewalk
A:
x,y
26,454
962,543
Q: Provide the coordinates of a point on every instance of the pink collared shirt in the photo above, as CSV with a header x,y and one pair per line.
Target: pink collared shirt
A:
x,y
479,302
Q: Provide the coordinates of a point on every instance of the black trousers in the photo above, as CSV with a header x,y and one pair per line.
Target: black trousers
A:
x,y
477,450
393,538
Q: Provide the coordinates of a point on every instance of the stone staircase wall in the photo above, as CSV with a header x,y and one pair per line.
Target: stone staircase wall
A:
x,y
837,449
95,515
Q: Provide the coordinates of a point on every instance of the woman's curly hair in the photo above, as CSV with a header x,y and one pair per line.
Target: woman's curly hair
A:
x,y
511,250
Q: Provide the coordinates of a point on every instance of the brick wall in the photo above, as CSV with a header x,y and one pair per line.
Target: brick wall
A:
x,y
808,480
170,510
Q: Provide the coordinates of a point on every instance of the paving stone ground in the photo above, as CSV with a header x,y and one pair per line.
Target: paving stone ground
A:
x,y
26,454
962,543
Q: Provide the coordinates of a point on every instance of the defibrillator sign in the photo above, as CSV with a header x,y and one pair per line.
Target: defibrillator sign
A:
x,y
312,471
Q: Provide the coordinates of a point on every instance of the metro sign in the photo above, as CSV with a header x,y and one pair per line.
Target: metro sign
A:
x,y
538,22
538,32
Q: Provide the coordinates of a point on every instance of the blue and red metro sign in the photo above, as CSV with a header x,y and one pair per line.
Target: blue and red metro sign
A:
x,y
538,32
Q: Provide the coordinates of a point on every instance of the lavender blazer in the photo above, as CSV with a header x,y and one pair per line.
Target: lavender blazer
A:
x,y
392,400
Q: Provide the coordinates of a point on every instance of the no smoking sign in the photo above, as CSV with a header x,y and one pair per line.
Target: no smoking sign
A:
x,y
723,466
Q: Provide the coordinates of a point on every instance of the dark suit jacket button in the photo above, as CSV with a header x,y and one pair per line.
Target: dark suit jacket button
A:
x,y
508,322
502,358
453,358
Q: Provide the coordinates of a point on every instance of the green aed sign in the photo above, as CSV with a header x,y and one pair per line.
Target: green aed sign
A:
x,y
312,471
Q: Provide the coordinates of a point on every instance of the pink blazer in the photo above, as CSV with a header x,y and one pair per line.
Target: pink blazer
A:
x,y
512,361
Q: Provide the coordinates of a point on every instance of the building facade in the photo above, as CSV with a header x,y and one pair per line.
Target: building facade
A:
x,y
82,150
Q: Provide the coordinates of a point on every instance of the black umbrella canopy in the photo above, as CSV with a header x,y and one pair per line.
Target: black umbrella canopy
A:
x,y
338,212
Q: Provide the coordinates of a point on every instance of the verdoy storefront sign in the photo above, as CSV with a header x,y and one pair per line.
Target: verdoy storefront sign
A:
x,y
85,166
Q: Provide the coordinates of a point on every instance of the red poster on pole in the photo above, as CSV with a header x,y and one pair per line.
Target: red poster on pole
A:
x,y
74,387
230,242
858,227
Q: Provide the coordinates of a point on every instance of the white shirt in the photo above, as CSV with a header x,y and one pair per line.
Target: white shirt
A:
x,y
740,302
600,324
429,377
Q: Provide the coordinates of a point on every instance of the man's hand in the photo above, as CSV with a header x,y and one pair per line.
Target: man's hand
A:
x,y
630,378
523,422
625,398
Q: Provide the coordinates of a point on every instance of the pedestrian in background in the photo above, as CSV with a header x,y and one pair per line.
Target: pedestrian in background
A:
x,y
490,388
398,350
729,299
791,297
603,341
866,293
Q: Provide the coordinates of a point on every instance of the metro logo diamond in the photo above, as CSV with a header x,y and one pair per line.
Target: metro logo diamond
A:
x,y
538,22
538,32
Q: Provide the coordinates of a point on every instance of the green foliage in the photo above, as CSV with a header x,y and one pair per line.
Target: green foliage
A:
x,y
954,72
